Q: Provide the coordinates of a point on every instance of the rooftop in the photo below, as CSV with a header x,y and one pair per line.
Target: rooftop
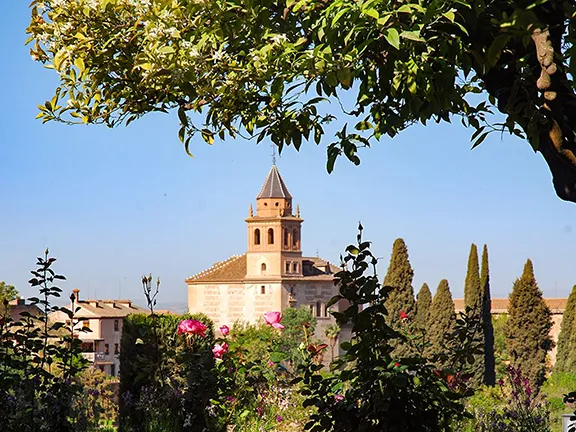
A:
x,y
500,305
274,186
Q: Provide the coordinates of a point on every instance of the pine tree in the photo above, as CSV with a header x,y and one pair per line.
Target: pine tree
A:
x,y
441,322
489,359
423,303
401,298
473,298
566,355
527,330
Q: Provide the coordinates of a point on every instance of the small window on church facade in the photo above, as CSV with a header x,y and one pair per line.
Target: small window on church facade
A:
x,y
318,309
295,237
285,237
295,267
263,267
287,266
270,236
263,289
256,236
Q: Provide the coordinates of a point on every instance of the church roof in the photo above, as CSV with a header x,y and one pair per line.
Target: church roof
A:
x,y
234,270
231,270
274,186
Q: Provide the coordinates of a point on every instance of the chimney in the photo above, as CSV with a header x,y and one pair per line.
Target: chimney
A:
x,y
76,293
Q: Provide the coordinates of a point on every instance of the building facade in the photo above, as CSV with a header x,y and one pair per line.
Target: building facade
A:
x,y
99,327
272,274
557,306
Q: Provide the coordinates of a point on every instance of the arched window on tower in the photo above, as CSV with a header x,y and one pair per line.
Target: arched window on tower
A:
x,y
295,238
256,236
318,309
285,237
270,236
263,268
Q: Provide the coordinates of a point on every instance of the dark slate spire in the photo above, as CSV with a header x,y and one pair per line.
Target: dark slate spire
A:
x,y
274,186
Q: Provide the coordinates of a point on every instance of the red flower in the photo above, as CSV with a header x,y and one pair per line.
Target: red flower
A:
x,y
396,364
403,315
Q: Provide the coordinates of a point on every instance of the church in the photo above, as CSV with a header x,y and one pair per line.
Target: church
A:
x,y
272,275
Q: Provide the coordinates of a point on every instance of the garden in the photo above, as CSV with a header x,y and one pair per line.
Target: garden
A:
x,y
179,373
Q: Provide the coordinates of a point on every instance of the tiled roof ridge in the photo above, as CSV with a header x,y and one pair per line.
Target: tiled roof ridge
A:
x,y
274,186
216,266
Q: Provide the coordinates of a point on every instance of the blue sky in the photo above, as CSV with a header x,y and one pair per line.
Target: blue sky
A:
x,y
114,204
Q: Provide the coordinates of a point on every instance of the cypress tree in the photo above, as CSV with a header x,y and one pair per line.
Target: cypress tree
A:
x,y
423,303
441,322
473,298
566,355
489,359
527,330
401,298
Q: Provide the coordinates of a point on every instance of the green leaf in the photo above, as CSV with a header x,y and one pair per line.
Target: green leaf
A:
x,y
393,37
373,13
79,63
344,77
278,357
412,35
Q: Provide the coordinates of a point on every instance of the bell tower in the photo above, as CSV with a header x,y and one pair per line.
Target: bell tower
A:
x,y
274,247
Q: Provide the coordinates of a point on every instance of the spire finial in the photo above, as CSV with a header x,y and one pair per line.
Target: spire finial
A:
x,y
273,154
297,210
251,212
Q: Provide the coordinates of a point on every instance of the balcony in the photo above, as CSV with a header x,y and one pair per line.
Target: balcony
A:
x,y
94,356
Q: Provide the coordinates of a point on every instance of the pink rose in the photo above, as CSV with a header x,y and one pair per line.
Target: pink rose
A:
x,y
273,319
224,330
220,350
192,326
338,397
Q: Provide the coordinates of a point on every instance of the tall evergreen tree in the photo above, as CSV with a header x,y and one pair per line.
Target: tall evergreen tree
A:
x,y
527,330
566,355
441,321
489,359
423,303
473,298
401,298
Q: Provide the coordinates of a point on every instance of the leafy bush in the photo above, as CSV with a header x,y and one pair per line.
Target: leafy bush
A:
x,y
165,380
37,387
370,390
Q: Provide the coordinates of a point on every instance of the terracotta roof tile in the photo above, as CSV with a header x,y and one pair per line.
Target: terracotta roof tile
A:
x,y
231,270
500,305
107,308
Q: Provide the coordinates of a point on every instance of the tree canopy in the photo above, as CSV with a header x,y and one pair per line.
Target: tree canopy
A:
x,y
266,68
7,292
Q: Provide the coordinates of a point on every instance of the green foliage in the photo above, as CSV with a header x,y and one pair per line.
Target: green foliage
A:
x,y
474,299
370,389
7,292
528,326
332,332
98,406
404,63
401,297
165,378
554,390
441,323
566,355
502,356
488,327
37,387
514,407
423,304
300,324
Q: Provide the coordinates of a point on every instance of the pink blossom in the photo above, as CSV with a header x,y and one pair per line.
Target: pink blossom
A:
x,y
224,330
271,363
220,350
279,418
338,397
273,319
230,398
403,315
192,326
